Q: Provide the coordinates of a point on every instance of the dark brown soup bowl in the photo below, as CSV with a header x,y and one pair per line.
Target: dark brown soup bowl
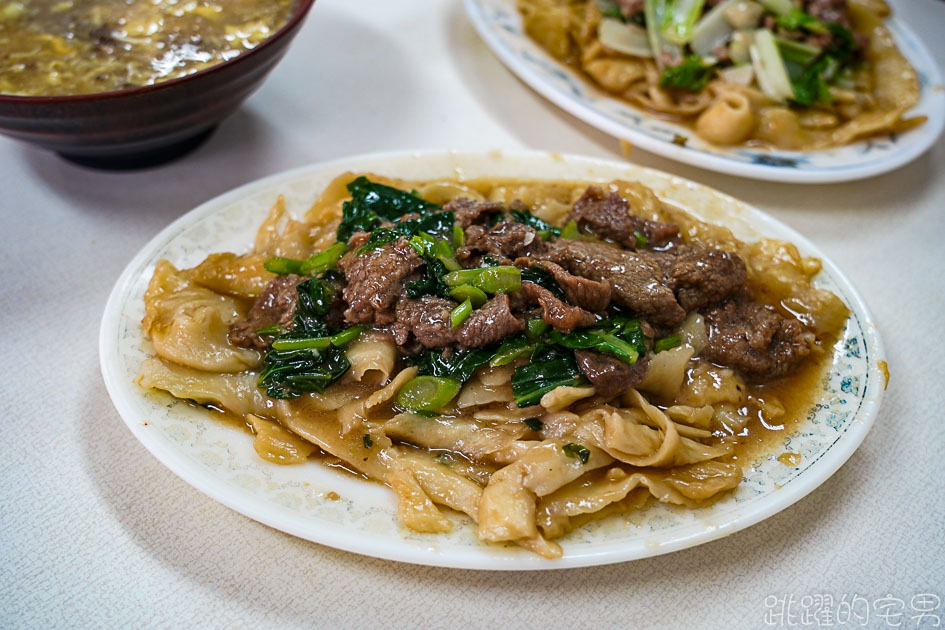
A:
x,y
145,126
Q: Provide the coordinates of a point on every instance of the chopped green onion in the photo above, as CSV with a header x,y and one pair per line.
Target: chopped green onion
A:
x,y
271,329
769,67
534,424
283,266
346,336
459,314
680,19
780,7
468,292
427,393
317,343
511,349
444,253
368,442
666,343
323,261
641,239
459,237
500,279
796,20
544,235
571,231
576,450
536,327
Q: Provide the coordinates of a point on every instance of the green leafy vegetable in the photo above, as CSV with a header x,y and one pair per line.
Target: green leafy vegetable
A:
x,y
431,283
379,237
610,9
534,424
291,373
543,278
459,365
347,336
550,367
797,19
692,75
427,393
459,237
526,217
576,450
372,202
618,336
640,239
304,359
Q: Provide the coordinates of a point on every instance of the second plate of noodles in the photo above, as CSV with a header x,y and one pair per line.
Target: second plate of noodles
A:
x,y
759,89
544,362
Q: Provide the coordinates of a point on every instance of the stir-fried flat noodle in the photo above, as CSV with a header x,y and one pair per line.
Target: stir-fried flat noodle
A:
x,y
525,474
874,100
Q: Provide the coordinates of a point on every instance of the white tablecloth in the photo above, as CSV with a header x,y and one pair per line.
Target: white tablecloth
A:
x,y
94,532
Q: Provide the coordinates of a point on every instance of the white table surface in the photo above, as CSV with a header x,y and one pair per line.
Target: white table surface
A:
x,y
94,532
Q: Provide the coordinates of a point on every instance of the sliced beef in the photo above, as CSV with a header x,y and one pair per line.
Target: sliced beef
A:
x,y
607,215
505,241
636,283
755,339
275,305
828,11
630,7
588,294
376,281
428,318
556,313
490,324
468,212
701,277
610,376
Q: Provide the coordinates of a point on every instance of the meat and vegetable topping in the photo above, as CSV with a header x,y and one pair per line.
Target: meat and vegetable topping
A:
x,y
468,283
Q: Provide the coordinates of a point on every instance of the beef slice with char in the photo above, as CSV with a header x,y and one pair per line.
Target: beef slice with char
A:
x,y
376,281
588,294
702,277
755,339
610,376
636,283
490,324
468,212
505,241
427,318
561,316
607,215
275,305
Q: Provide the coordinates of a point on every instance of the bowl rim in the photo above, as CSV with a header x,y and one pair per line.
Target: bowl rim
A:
x,y
301,11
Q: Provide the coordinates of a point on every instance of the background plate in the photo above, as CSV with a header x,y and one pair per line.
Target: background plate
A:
x,y
220,461
500,26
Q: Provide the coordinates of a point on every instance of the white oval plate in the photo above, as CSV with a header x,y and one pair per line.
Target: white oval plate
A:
x,y
500,26
219,460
